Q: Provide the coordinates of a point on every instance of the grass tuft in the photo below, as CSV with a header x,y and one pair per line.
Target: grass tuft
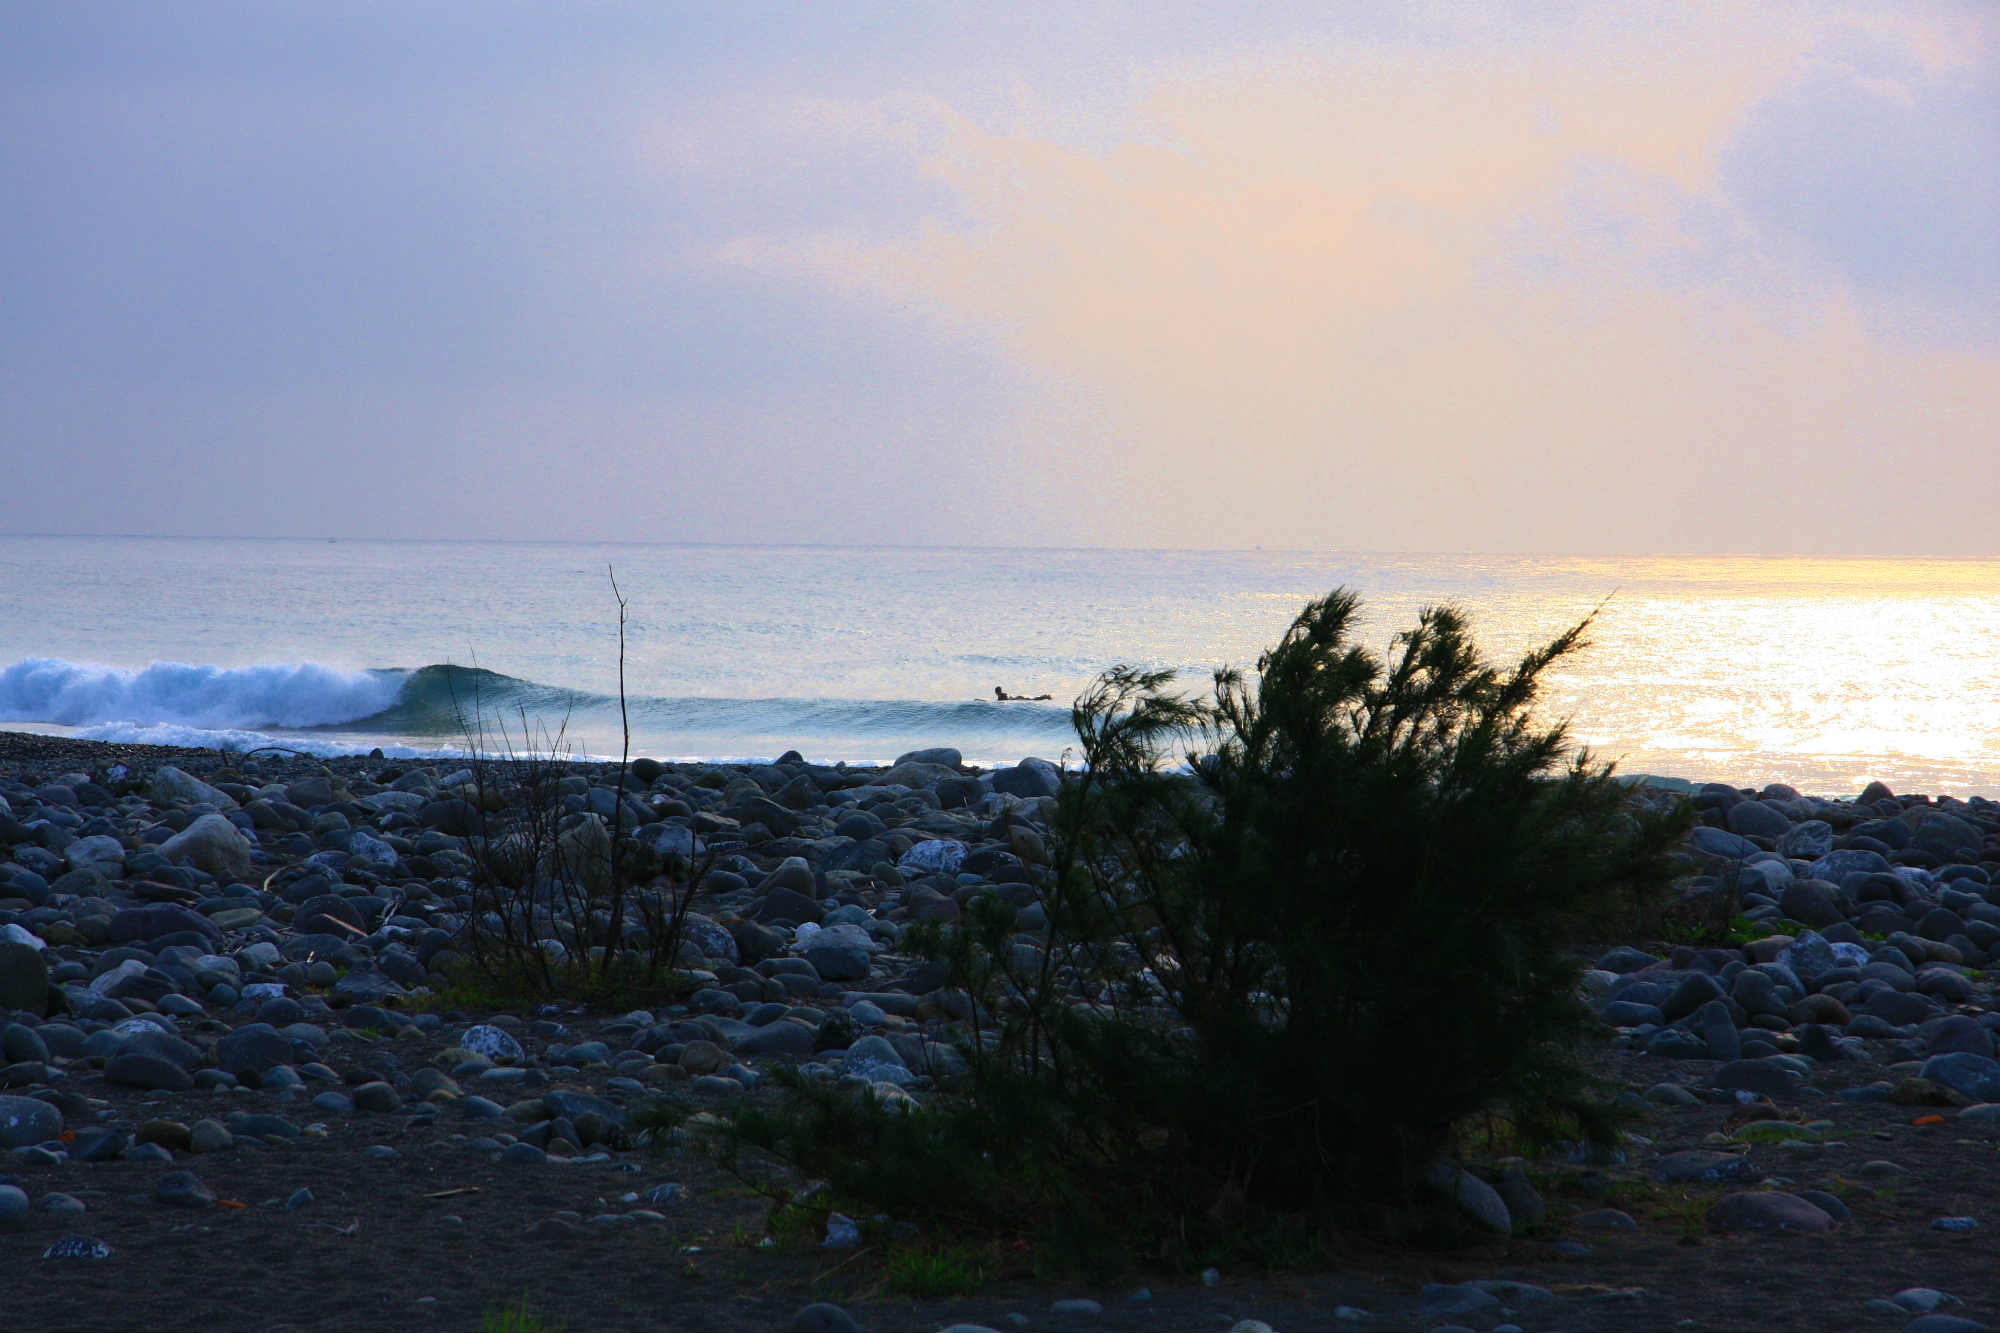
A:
x,y
515,1318
941,1272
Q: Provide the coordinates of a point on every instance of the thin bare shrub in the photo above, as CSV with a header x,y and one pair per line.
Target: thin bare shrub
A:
x,y
567,901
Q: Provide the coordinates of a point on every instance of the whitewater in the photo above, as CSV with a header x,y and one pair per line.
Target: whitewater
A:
x,y
1821,673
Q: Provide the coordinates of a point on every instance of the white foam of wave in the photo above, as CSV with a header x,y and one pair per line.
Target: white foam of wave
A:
x,y
238,741
178,694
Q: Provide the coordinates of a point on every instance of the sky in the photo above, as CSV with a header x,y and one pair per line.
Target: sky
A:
x,y
1513,277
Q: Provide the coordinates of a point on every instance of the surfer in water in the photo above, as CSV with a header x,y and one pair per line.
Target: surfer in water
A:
x,y
1000,695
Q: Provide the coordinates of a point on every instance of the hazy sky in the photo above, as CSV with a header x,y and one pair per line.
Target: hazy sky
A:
x,y
1503,277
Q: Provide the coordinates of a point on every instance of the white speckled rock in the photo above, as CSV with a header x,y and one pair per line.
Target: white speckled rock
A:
x,y
77,1247
25,1121
492,1042
366,849
939,856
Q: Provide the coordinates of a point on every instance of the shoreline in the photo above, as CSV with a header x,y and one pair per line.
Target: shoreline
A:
x,y
45,747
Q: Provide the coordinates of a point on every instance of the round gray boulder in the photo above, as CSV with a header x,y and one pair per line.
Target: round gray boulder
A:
x,y
916,773
252,1049
24,977
1476,1200
1029,778
25,1121
943,755
143,1069
1756,819
1720,842
213,844
1807,841
173,786
1973,1076
99,854
1768,1210
837,960
1815,902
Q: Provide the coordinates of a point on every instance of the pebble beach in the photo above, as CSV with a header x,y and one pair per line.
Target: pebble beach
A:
x,y
218,969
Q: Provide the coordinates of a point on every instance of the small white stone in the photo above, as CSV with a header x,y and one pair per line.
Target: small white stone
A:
x,y
841,1232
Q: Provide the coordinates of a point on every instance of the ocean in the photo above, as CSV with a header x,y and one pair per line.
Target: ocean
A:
x,y
1821,673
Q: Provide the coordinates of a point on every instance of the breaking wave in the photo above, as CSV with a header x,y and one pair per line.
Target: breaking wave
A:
x,y
445,708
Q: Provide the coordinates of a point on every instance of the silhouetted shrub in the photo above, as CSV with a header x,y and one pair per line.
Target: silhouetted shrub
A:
x,y
1299,933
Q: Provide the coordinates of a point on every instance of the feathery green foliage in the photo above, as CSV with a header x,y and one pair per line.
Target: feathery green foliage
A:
x,y
1275,978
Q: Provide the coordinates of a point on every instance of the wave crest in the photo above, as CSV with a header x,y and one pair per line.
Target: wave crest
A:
x,y
299,694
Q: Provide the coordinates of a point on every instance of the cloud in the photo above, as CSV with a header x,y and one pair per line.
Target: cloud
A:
x,y
1399,297
1889,173
1542,275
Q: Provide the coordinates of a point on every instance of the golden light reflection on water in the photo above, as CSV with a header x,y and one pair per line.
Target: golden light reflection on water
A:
x,y
1823,673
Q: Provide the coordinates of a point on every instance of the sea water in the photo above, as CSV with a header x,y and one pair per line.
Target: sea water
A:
x,y
1821,673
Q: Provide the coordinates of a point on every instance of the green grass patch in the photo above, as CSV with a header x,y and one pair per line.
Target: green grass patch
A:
x,y
1682,1208
795,1223
1774,1131
507,984
515,1318
1738,931
941,1272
